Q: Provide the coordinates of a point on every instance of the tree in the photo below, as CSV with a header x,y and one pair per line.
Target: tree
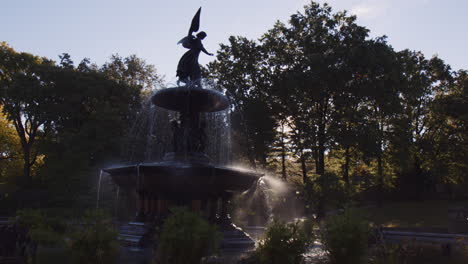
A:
x,y
238,69
90,115
70,118
420,80
446,151
310,64
132,71
380,106
10,150
24,97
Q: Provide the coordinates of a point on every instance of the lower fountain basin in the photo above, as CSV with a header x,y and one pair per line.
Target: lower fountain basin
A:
x,y
176,179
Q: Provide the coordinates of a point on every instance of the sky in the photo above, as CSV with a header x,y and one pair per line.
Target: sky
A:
x,y
96,29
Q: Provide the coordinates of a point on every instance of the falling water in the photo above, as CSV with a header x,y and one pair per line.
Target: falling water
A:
x,y
99,189
264,188
268,198
219,133
277,200
117,202
151,135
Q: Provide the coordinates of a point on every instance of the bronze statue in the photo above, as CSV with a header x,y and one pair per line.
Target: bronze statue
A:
x,y
188,69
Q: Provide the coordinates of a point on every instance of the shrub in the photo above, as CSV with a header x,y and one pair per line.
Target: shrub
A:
x,y
283,243
186,238
41,228
345,237
324,191
95,241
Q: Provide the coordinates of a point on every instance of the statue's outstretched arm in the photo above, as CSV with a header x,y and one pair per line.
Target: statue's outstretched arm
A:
x,y
206,52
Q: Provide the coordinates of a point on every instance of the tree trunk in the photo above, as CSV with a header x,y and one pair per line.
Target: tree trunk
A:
x,y
380,182
346,167
304,168
321,150
316,161
283,159
26,166
283,154
27,140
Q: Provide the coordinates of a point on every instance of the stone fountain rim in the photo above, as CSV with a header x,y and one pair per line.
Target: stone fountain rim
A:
x,y
183,98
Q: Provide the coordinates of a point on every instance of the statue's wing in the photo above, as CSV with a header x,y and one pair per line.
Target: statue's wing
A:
x,y
195,26
186,41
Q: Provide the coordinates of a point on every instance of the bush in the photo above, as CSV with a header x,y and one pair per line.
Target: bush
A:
x,y
95,241
43,230
345,237
186,238
283,243
324,191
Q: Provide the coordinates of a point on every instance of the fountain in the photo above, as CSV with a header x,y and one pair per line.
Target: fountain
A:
x,y
186,176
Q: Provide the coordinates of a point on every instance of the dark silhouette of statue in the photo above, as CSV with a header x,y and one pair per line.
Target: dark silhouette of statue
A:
x,y
188,69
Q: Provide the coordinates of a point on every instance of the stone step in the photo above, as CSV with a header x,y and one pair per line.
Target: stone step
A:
x,y
235,240
137,224
129,242
131,234
129,237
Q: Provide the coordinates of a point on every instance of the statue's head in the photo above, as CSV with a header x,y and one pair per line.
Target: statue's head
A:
x,y
201,35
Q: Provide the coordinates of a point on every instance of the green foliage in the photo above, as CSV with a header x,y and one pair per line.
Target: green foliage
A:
x,y
345,237
446,147
239,70
95,241
43,230
283,243
10,150
325,191
334,88
22,96
385,254
186,238
65,117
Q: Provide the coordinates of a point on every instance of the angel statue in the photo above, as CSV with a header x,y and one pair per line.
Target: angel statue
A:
x,y
188,69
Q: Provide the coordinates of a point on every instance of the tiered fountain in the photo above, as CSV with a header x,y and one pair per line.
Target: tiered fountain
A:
x,y
186,176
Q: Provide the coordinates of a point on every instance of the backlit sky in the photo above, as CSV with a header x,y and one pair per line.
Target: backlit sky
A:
x,y
151,28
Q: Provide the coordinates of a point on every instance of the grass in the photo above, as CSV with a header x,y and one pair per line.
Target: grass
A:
x,y
430,213
52,255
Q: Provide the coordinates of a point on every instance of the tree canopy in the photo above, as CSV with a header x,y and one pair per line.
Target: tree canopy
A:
x,y
338,100
68,120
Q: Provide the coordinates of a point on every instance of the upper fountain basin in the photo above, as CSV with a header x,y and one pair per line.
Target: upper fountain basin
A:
x,y
189,99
